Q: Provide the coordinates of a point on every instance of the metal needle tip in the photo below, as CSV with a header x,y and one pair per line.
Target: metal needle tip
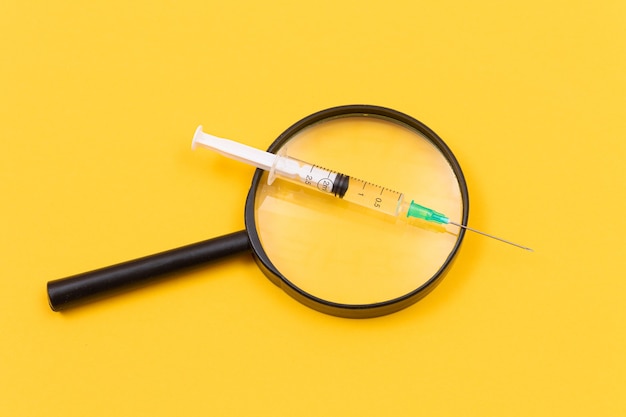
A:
x,y
492,236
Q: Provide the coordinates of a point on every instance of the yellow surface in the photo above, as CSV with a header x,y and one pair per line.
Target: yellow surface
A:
x,y
99,100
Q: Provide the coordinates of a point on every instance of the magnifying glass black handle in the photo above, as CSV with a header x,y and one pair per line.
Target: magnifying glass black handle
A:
x,y
79,289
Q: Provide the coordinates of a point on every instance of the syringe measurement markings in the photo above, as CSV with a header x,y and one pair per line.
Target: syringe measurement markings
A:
x,y
362,189
330,171
366,183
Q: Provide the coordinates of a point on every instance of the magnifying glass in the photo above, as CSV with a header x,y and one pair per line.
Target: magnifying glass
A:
x,y
340,258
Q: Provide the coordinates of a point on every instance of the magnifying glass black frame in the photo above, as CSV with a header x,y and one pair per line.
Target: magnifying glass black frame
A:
x,y
89,286
330,307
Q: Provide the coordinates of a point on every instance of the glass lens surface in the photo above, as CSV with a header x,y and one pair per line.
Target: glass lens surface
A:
x,y
348,254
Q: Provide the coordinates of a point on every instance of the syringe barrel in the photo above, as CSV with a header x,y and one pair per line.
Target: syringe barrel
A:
x,y
351,189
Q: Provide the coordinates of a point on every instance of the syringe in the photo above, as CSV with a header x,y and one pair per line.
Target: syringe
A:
x,y
354,190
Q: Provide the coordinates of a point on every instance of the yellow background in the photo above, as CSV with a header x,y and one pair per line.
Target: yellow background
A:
x,y
98,101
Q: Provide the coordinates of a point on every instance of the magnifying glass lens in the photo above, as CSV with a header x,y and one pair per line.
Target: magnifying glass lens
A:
x,y
344,254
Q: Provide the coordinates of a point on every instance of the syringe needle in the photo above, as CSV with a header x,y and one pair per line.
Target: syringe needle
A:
x,y
492,236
